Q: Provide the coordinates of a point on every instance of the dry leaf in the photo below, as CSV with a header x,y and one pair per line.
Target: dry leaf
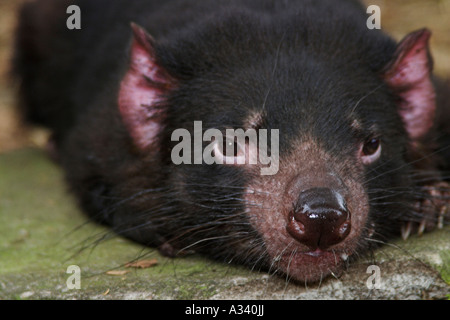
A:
x,y
142,264
117,272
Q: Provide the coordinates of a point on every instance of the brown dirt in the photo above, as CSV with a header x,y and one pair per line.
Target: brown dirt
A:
x,y
13,133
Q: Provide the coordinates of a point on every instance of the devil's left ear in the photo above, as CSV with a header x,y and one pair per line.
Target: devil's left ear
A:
x,y
408,74
142,90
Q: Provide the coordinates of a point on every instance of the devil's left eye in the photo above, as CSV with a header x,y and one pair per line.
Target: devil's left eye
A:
x,y
229,151
230,148
371,150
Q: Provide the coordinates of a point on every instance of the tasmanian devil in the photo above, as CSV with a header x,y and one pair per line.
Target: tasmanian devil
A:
x,y
355,126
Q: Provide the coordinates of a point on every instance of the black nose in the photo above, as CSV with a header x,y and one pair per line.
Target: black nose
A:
x,y
319,219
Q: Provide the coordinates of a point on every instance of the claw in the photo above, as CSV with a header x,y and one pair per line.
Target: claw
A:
x,y
421,227
406,230
434,208
441,216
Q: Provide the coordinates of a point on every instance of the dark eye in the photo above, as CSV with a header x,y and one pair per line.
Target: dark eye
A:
x,y
370,151
371,147
234,154
230,148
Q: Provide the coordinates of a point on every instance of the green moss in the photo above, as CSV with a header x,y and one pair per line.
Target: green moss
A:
x,y
43,232
445,268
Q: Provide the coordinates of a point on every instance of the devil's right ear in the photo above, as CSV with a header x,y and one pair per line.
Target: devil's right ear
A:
x,y
408,74
142,89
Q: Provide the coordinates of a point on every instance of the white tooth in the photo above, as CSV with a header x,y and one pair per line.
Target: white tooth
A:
x,y
371,230
344,256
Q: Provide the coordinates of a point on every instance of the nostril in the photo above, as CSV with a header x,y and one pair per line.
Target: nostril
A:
x,y
297,226
320,218
299,232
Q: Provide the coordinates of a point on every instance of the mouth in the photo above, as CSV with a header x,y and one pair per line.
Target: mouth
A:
x,y
311,266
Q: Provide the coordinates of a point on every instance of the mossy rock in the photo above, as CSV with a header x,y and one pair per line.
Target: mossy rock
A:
x,y
43,233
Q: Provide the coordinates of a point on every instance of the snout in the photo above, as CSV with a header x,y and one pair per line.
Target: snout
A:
x,y
319,219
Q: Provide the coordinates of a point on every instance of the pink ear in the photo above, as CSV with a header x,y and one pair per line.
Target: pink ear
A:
x,y
409,76
142,89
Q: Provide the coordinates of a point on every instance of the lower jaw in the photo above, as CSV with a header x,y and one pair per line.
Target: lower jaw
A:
x,y
312,266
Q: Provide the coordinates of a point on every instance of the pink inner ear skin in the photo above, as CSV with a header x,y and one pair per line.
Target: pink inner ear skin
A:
x,y
141,91
409,75
135,104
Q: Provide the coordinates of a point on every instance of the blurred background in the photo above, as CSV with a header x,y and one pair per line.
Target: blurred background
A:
x,y
398,17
